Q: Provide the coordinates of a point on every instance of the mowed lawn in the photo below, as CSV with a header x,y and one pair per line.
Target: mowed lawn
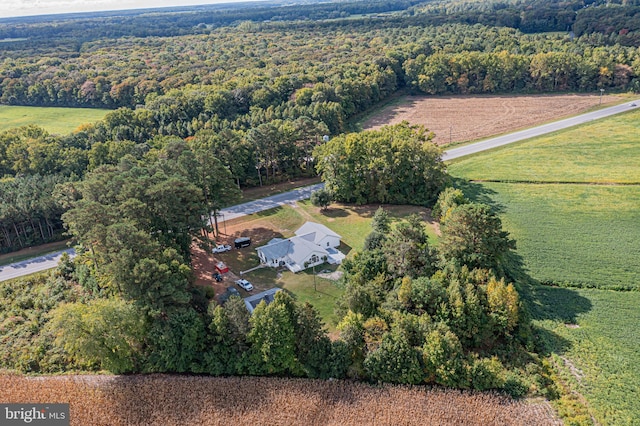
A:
x,y
54,120
353,223
595,341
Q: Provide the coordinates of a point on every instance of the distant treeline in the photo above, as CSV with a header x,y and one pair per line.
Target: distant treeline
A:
x,y
191,20
261,95
617,18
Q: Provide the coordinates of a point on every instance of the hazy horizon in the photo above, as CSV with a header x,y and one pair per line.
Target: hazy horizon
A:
x,y
20,8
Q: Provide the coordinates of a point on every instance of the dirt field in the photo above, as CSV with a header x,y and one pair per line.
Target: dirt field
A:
x,y
466,118
191,400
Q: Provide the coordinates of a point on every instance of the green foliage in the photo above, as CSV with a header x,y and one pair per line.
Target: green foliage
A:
x,y
472,235
273,340
29,213
514,386
447,200
321,198
374,241
443,359
394,165
25,305
487,373
105,332
175,343
407,250
394,361
381,222
313,347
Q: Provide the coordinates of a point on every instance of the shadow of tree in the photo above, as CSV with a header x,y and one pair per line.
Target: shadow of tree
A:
x,y
478,193
334,212
546,303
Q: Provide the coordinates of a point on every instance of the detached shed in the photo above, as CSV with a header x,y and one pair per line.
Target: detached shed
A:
x,y
267,297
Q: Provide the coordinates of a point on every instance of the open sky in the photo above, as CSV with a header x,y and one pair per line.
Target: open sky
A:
x,y
12,8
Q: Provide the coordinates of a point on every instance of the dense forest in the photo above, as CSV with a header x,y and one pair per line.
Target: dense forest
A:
x,y
208,102
262,93
411,313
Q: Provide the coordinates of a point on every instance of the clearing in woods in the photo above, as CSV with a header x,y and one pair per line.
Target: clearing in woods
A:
x,y
53,120
467,118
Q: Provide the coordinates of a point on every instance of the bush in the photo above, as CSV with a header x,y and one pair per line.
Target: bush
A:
x,y
486,373
514,386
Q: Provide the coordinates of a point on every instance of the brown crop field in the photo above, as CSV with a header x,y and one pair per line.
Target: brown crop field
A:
x,y
466,118
190,400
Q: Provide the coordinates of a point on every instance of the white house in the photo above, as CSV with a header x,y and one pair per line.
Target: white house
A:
x,y
313,244
319,234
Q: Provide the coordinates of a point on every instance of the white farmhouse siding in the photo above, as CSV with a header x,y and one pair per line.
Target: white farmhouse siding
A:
x,y
313,244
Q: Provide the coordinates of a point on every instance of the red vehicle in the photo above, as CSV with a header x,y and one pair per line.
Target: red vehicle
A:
x,y
221,267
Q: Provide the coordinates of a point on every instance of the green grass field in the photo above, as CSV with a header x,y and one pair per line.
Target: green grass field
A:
x,y
54,120
579,234
595,344
582,235
596,152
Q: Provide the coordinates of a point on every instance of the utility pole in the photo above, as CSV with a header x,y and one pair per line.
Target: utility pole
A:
x,y
315,288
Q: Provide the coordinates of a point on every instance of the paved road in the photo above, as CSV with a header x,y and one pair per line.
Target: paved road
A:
x,y
34,265
539,130
263,204
50,261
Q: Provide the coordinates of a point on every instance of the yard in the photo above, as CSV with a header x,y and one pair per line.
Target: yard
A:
x,y
351,222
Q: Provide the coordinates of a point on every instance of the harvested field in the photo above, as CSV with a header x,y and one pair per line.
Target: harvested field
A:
x,y
466,118
190,400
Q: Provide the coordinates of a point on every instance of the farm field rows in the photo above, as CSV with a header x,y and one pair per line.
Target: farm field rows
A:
x,y
484,116
582,234
596,345
598,152
182,400
54,120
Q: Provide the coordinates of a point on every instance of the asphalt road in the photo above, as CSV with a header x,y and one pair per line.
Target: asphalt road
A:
x,y
51,260
34,265
263,204
453,153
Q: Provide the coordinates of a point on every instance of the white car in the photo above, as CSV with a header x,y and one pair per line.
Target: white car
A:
x,y
245,284
221,248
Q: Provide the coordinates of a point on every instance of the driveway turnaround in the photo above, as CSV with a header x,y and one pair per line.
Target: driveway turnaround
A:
x,y
34,265
453,153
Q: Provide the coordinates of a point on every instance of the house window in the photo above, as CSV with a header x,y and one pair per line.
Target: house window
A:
x,y
327,243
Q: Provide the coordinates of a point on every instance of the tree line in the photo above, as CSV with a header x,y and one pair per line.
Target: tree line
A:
x,y
411,312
